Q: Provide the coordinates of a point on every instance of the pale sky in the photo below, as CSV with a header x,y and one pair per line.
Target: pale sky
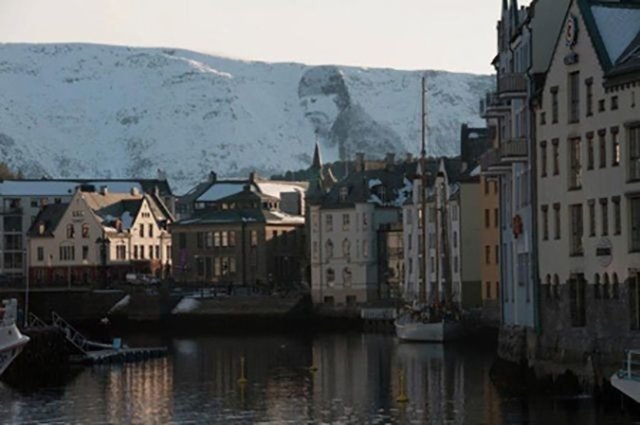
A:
x,y
454,35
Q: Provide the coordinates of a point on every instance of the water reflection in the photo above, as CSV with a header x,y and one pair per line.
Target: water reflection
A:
x,y
357,381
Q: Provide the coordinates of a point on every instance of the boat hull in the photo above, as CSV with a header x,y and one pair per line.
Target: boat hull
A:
x,y
629,387
428,332
11,344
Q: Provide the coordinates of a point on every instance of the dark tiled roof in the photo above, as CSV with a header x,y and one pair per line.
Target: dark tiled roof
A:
x,y
50,215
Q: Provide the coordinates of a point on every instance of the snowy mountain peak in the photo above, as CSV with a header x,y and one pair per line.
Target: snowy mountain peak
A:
x,y
79,110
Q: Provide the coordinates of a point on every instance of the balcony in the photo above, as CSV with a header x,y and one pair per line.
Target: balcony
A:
x,y
512,85
492,107
514,150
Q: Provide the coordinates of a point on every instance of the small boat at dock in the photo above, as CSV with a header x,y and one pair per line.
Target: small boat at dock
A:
x,y
11,340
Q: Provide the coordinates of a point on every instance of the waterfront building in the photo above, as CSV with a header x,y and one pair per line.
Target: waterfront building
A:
x,y
345,220
525,41
453,224
99,237
22,200
246,233
588,184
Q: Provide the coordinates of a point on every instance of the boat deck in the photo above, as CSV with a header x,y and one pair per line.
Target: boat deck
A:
x,y
122,355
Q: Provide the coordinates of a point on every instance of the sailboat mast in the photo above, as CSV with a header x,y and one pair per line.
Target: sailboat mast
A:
x,y
423,198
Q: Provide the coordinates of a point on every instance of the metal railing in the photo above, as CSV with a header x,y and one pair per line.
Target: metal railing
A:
x,y
512,83
631,366
514,148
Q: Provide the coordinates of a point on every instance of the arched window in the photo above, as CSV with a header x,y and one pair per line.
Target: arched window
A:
x,y
346,248
615,287
606,288
71,230
329,249
85,231
556,286
347,276
331,277
596,286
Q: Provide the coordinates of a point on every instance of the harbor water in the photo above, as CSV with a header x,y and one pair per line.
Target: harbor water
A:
x,y
292,379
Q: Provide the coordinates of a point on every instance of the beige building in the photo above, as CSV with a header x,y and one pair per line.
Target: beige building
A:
x,y
588,184
99,237
344,230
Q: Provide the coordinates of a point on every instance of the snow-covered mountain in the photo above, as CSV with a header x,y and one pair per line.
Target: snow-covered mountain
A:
x,y
80,110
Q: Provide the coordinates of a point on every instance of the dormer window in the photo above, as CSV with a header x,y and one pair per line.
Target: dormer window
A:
x,y
41,228
382,192
344,193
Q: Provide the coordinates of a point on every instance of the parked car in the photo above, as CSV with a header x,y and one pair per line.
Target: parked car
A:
x,y
141,279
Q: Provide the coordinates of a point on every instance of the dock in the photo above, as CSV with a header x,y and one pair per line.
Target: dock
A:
x,y
120,355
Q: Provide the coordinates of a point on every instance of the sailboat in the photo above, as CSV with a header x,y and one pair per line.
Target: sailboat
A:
x,y
438,320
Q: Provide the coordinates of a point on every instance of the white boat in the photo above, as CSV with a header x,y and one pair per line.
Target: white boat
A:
x,y
409,329
627,380
11,340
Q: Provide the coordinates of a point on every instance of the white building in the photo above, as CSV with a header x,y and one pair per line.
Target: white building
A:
x,y
21,201
99,237
344,224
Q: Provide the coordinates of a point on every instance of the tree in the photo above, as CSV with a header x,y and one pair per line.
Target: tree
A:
x,y
5,172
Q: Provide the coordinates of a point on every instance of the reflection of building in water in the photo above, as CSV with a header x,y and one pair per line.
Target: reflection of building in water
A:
x,y
354,369
433,380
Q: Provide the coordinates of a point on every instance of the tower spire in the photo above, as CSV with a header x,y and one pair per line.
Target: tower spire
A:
x,y
317,159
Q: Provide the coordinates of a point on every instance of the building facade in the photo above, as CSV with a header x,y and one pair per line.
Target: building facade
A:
x,y
588,185
99,237
22,200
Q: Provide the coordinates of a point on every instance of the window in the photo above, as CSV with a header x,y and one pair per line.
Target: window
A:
x,y
634,210
331,277
576,230
85,231
487,218
604,216
615,287
497,254
40,253
597,290
168,251
365,249
344,193
574,97
67,253
577,300
121,252
225,238
254,238
543,159
329,222
601,107
556,219
216,239
487,290
141,229
455,264
232,238
158,252
70,231
592,217
200,266
634,152
614,103
200,240
455,239
590,151
589,84
615,147
556,156
496,218
346,248
347,276
151,252
545,222
329,249
365,220
606,287
575,166
617,216
603,148
554,105
345,222
85,252
634,301
150,230
487,254
142,252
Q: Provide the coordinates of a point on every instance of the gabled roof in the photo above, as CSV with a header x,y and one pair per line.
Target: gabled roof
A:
x,y
49,216
67,187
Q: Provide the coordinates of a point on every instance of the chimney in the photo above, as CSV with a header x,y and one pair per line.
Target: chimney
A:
x,y
253,176
162,175
212,177
389,161
359,162
104,190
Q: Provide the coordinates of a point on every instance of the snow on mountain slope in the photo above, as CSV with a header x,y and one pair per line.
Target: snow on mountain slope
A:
x,y
78,110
